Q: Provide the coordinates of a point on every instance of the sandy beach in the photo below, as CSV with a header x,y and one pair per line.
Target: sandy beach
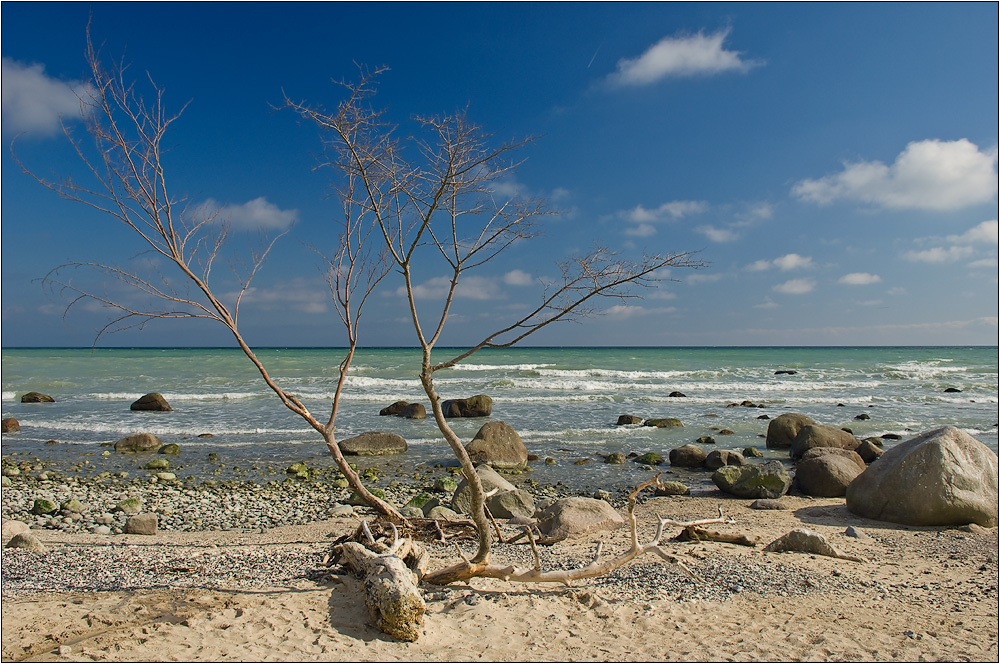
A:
x,y
922,594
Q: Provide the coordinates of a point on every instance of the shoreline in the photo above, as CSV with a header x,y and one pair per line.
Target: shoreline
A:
x,y
264,594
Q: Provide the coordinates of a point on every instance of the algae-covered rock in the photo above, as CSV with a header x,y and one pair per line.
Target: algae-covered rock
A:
x,y
616,458
649,459
140,442
664,422
170,448
158,464
130,505
765,480
44,506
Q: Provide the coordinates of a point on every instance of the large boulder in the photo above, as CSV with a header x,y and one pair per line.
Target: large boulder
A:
x,y
826,475
140,442
781,431
373,443
141,524
413,411
153,401
818,435
754,480
10,425
497,444
477,406
511,504
570,518
854,457
36,397
942,477
688,456
26,540
718,458
461,501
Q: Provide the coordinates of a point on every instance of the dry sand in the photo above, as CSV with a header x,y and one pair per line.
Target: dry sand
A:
x,y
924,594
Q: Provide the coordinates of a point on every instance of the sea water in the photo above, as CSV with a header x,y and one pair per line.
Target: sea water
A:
x,y
564,402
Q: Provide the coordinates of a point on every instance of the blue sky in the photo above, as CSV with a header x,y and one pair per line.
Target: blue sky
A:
x,y
834,163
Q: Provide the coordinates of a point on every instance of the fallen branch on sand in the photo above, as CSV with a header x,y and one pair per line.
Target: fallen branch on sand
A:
x,y
392,597
467,569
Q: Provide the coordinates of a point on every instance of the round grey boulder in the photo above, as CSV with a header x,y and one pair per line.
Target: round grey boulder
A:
x,y
373,443
826,475
781,431
153,401
688,456
942,477
140,442
818,435
497,444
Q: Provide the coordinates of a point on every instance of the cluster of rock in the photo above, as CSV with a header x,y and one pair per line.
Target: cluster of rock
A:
x,y
941,477
552,520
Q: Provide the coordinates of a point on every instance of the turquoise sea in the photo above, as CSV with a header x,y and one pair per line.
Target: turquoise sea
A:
x,y
564,402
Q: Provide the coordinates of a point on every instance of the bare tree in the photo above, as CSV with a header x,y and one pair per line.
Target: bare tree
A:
x,y
128,181
447,203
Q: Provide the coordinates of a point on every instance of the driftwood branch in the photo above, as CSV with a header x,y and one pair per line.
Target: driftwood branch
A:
x,y
391,573
467,570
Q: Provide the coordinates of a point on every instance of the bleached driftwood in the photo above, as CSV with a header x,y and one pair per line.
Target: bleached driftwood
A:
x,y
392,597
467,569
696,534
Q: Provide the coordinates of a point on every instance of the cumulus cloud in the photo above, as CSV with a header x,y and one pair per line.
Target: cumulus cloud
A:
x,y
33,102
927,175
983,233
295,295
796,287
668,211
980,237
470,288
518,278
258,214
783,263
859,279
646,218
939,254
680,56
718,234
634,311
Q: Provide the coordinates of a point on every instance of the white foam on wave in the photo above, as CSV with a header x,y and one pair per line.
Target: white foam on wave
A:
x,y
9,396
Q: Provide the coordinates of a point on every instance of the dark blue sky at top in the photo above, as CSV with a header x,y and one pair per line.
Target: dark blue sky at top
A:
x,y
754,165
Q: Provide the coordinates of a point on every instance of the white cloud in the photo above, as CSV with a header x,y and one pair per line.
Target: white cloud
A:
x,y
927,175
792,262
783,263
702,278
518,278
768,303
859,279
633,311
669,211
642,230
939,254
257,214
984,233
32,102
796,287
470,288
718,234
678,56
295,295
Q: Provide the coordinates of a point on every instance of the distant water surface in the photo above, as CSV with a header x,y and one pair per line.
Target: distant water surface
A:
x,y
564,402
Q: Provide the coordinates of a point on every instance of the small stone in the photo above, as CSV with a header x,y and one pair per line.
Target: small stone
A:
x,y
856,532
26,541
141,524
43,506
